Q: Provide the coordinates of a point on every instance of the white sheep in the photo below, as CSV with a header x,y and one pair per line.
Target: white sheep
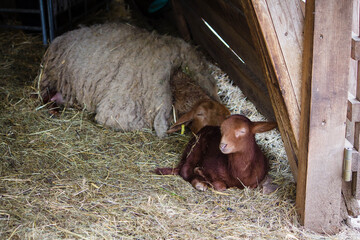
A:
x,y
121,73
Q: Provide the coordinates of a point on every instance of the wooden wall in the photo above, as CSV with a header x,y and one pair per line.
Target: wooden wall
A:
x,y
301,79
327,48
228,20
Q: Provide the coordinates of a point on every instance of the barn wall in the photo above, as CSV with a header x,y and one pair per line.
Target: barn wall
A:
x,y
235,52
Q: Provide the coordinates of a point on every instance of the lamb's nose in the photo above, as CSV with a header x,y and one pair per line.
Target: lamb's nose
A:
x,y
223,146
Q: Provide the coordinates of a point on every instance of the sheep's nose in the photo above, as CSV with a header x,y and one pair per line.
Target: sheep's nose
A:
x,y
223,146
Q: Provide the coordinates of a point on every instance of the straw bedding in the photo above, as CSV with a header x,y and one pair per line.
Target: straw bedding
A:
x,y
66,177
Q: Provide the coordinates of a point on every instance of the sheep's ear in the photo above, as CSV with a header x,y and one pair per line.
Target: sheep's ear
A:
x,y
259,127
185,119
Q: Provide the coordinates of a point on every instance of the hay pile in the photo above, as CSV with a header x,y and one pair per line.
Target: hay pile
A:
x,y
67,178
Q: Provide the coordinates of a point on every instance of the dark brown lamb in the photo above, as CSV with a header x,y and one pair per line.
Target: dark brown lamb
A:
x,y
224,157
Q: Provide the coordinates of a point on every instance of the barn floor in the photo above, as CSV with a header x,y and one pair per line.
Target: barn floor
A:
x,y
65,177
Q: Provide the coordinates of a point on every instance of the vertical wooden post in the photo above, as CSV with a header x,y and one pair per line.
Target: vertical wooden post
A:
x,y
356,173
327,47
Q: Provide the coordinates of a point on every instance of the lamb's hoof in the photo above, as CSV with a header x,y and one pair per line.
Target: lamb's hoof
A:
x,y
54,112
200,186
197,170
268,186
219,186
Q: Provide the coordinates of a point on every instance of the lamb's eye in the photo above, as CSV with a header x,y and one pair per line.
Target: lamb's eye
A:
x,y
199,114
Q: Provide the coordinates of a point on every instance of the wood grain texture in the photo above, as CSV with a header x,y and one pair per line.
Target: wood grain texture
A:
x,y
281,25
180,20
352,205
327,47
355,48
288,23
246,77
279,83
231,25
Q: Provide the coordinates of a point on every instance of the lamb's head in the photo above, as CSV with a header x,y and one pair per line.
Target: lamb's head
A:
x,y
204,113
238,133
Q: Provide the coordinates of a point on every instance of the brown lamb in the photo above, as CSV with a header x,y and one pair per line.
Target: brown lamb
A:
x,y
195,108
225,156
205,112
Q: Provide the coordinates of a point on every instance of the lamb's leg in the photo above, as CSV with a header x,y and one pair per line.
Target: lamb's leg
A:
x,y
199,184
268,185
167,171
190,159
217,185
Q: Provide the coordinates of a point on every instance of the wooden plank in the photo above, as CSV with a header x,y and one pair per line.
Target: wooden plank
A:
x,y
356,136
356,19
180,20
350,128
356,81
278,51
249,83
280,88
356,183
288,23
352,205
355,47
227,12
230,24
353,108
354,64
354,75
327,47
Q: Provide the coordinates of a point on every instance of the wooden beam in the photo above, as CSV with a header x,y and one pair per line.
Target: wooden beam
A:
x,y
355,48
351,204
244,76
230,24
277,30
356,183
327,48
353,108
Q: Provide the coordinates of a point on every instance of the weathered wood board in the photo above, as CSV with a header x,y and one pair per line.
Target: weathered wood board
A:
x,y
308,100
277,28
231,24
327,45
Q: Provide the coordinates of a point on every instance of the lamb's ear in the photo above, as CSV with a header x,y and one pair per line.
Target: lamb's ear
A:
x,y
259,127
185,119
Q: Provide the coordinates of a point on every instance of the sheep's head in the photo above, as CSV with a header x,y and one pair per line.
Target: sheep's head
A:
x,y
204,113
238,133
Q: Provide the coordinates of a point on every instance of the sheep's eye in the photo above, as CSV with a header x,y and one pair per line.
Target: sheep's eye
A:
x,y
199,114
